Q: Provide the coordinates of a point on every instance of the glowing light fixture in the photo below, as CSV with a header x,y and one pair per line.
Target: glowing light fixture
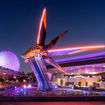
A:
x,y
29,86
24,86
84,93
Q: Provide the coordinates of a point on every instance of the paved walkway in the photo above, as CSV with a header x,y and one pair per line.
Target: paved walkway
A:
x,y
52,103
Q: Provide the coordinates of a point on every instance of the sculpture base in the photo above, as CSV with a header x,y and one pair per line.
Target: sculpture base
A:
x,y
39,68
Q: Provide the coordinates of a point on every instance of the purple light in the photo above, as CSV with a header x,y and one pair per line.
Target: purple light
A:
x,y
81,58
72,88
65,51
69,89
103,93
22,90
9,60
17,92
24,93
29,86
84,93
56,86
92,68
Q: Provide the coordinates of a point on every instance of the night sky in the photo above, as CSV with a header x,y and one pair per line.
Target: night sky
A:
x,y
19,22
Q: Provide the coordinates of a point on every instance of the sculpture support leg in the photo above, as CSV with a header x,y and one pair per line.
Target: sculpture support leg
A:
x,y
40,72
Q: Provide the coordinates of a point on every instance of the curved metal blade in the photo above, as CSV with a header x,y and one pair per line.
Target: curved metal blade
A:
x,y
42,30
55,40
51,61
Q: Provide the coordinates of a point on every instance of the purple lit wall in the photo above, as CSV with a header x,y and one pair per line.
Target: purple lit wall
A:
x,y
92,68
86,68
9,60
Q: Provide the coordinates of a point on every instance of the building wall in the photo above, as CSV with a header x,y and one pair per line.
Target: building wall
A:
x,y
77,81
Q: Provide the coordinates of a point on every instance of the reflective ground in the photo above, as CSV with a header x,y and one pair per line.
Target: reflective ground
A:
x,y
31,91
52,103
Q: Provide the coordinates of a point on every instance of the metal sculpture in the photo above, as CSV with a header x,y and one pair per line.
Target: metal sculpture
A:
x,y
39,54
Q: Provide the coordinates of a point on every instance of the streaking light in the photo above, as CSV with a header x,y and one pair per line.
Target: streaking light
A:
x,y
40,26
79,48
62,69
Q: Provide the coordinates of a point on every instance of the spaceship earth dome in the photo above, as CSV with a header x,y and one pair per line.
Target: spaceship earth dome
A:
x,y
9,60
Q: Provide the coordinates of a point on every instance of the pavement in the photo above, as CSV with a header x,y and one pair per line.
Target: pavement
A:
x,y
52,103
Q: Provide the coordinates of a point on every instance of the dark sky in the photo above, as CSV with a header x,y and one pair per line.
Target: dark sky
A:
x,y
19,21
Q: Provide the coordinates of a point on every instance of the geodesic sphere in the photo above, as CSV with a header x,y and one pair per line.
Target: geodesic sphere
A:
x,y
9,60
